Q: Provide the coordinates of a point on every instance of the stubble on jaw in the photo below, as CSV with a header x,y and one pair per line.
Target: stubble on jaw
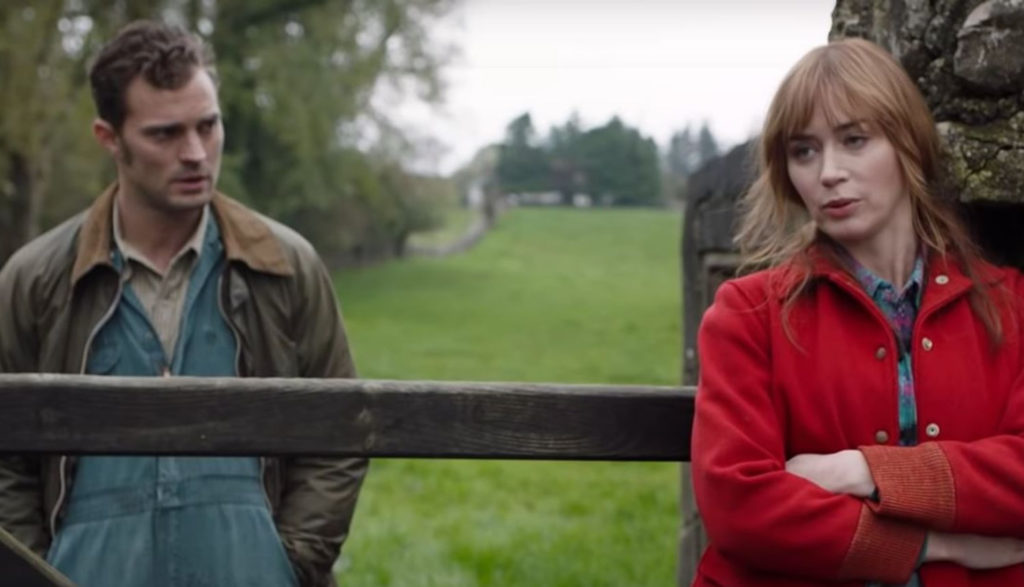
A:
x,y
126,152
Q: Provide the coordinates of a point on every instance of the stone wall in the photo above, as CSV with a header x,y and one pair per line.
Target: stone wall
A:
x,y
708,259
967,56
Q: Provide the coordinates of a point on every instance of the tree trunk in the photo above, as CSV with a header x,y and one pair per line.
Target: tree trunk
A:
x,y
16,218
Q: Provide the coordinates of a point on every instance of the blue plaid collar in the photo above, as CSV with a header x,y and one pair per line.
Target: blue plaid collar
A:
x,y
876,287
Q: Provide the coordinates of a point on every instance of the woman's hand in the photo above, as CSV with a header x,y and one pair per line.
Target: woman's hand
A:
x,y
847,472
843,472
973,551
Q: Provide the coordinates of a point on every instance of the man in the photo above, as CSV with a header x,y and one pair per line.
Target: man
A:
x,y
162,275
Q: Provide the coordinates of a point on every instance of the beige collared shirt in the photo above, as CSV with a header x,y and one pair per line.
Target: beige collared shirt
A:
x,y
161,294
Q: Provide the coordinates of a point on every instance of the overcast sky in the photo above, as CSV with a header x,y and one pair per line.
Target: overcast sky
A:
x,y
658,64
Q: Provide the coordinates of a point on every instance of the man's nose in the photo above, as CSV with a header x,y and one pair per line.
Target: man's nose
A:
x,y
192,149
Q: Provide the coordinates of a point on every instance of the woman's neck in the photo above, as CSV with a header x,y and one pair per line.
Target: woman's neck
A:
x,y
892,261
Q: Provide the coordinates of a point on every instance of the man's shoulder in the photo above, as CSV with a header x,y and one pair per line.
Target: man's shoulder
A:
x,y
298,251
290,239
51,253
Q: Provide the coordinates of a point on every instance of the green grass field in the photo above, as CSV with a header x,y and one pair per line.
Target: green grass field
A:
x,y
457,221
561,295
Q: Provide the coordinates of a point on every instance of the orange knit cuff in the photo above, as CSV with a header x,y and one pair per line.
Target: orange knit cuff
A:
x,y
914,483
883,550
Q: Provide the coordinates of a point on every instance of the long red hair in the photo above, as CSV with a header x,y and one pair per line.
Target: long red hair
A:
x,y
853,78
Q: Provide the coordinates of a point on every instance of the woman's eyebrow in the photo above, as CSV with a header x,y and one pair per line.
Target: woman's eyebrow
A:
x,y
853,124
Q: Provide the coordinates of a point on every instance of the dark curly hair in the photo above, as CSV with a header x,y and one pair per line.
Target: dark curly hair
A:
x,y
165,56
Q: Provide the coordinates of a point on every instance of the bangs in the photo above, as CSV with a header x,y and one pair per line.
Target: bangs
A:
x,y
845,90
850,80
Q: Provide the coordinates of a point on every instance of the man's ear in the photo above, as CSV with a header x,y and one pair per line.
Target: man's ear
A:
x,y
106,136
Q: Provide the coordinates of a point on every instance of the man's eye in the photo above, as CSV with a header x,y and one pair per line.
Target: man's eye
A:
x,y
162,134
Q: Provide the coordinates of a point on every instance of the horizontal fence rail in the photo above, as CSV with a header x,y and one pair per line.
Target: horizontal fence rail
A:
x,y
82,414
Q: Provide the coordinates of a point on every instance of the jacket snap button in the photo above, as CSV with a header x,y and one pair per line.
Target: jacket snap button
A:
x,y
932,430
926,343
880,353
881,437
941,279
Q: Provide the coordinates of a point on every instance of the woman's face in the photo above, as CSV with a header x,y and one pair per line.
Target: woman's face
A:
x,y
849,178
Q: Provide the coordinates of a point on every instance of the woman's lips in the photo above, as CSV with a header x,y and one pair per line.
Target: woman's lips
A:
x,y
840,208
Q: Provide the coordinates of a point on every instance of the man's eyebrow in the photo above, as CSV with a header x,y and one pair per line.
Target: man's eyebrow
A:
x,y
163,128
172,127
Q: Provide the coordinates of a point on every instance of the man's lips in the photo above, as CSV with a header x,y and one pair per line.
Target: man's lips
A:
x,y
191,182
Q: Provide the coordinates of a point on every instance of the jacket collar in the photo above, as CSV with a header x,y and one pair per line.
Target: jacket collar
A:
x,y
944,278
247,237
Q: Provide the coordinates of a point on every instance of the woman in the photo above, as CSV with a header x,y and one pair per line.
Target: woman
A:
x,y
860,413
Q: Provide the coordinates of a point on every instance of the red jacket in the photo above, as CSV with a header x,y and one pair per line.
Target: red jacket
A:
x,y
765,396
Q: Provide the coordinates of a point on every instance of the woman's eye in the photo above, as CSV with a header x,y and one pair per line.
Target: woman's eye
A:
x,y
800,152
855,141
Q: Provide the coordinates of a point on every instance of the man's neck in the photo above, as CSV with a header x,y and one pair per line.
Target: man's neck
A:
x,y
157,234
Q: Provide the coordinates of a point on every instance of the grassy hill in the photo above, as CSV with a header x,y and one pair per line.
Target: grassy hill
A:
x,y
562,295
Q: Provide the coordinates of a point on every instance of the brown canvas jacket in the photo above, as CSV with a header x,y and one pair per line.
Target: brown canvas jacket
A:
x,y
276,295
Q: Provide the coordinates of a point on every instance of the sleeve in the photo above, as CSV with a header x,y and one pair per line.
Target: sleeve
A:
x,y
963,487
21,501
757,514
319,494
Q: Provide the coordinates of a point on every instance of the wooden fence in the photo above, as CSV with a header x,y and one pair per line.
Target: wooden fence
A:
x,y
73,414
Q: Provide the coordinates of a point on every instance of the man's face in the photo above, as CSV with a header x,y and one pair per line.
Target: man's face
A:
x,y
168,148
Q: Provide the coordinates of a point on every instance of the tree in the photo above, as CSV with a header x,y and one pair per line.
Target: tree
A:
x,y
567,175
682,157
303,78
522,165
613,163
43,102
686,155
299,82
621,165
707,146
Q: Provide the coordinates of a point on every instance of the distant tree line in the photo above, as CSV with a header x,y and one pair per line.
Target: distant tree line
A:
x,y
613,164
688,151
305,140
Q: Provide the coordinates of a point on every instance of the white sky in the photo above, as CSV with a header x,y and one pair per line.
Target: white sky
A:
x,y
658,64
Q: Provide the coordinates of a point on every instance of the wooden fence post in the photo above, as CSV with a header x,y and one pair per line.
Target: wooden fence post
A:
x,y
21,567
